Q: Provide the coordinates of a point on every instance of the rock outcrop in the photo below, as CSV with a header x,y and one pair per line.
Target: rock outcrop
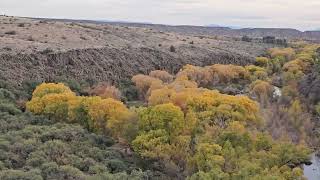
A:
x,y
105,64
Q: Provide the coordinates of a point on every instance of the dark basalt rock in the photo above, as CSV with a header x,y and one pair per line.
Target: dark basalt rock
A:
x,y
309,86
105,64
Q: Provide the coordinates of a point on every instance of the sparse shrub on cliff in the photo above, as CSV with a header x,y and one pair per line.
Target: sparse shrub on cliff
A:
x,y
11,32
30,38
21,25
47,51
172,49
246,39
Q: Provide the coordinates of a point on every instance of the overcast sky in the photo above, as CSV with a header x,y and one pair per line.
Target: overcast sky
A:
x,y
300,14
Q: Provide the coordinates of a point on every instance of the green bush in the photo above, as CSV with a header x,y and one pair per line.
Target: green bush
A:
x,y
128,90
50,150
318,109
29,86
21,175
6,95
10,108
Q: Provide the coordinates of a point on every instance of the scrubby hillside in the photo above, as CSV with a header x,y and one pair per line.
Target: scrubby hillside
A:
x,y
44,50
286,33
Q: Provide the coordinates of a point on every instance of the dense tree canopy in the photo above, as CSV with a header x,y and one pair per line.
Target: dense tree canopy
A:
x,y
213,122
57,101
219,135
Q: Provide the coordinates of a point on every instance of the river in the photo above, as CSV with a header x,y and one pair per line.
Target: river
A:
x,y
312,172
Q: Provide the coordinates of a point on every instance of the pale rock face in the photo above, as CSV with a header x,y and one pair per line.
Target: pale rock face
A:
x,y
277,92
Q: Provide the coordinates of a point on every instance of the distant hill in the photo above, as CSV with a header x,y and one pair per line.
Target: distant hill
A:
x,y
213,25
212,29
216,25
286,33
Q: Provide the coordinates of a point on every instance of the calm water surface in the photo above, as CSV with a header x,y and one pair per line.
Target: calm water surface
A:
x,y
312,172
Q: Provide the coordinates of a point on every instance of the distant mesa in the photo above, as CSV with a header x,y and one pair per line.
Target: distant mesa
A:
x,y
222,26
213,25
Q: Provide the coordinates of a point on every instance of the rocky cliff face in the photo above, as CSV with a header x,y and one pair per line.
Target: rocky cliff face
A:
x,y
309,86
105,64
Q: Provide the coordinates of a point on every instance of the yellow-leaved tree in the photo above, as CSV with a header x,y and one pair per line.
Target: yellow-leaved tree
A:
x,y
51,99
164,76
219,109
108,115
287,53
145,84
262,90
105,90
160,132
58,102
